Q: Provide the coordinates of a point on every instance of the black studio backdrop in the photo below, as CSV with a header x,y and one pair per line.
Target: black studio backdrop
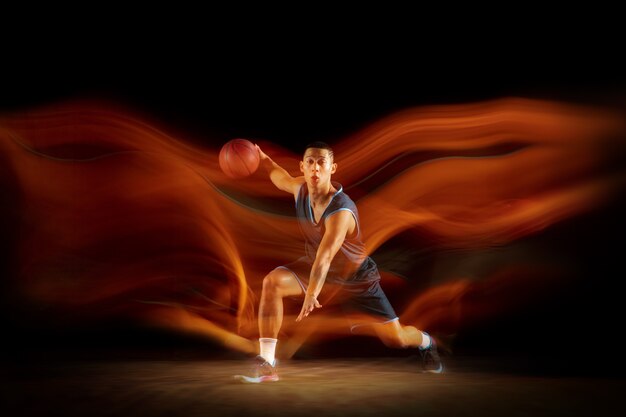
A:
x,y
291,95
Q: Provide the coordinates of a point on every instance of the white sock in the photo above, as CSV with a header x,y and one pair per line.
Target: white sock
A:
x,y
425,341
268,349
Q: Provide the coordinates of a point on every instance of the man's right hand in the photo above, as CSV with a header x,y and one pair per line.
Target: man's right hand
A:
x,y
262,154
279,177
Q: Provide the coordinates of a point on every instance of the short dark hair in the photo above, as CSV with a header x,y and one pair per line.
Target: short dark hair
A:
x,y
320,145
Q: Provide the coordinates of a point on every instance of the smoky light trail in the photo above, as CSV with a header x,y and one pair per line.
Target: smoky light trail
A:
x,y
116,217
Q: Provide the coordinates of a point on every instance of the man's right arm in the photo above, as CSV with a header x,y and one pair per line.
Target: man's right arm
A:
x,y
281,178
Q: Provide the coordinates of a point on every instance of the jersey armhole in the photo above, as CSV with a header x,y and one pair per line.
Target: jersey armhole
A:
x,y
356,222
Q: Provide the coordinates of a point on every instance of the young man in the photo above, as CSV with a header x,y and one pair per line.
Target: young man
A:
x,y
335,254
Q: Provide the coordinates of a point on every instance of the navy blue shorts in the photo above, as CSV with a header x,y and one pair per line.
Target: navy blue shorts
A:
x,y
359,295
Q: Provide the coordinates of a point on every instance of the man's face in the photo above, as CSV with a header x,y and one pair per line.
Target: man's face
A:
x,y
317,166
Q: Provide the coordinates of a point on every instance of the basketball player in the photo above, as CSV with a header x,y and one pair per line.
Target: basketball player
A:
x,y
335,254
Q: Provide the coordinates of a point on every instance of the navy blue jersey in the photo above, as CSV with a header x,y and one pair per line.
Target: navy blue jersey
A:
x,y
351,263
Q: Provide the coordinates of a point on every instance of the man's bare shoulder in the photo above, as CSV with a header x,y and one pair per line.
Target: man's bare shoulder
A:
x,y
340,222
295,186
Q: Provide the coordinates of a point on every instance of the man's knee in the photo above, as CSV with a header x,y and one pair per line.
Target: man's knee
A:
x,y
270,282
276,280
394,337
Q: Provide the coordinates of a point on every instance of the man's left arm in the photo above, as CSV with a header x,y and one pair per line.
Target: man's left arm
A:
x,y
337,227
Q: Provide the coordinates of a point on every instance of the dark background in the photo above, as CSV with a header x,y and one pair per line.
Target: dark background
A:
x,y
292,93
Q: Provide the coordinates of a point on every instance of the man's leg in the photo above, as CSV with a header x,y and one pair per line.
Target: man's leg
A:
x,y
277,284
391,332
394,334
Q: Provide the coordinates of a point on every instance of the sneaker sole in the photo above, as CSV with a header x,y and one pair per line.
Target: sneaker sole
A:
x,y
435,371
256,380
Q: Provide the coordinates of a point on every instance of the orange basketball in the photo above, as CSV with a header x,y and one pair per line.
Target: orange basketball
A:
x,y
239,158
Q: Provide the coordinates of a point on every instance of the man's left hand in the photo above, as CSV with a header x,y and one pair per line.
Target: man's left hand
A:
x,y
310,304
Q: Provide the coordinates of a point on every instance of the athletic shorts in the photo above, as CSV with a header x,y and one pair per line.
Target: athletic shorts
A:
x,y
356,297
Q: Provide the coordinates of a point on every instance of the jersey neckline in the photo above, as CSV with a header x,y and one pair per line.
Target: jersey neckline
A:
x,y
339,188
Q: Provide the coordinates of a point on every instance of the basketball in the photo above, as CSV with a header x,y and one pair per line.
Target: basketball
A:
x,y
239,158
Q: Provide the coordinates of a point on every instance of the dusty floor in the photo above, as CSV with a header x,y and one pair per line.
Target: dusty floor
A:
x,y
356,387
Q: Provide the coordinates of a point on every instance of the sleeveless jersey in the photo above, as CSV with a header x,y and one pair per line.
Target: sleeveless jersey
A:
x,y
351,263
